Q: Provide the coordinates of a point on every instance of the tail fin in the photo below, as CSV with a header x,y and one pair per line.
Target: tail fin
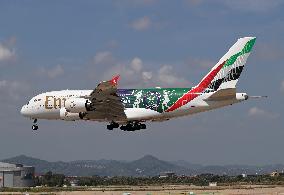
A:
x,y
225,74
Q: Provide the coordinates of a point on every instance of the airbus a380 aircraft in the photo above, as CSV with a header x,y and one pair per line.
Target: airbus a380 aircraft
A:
x,y
131,108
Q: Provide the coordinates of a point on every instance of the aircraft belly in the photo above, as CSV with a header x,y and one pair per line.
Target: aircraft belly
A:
x,y
141,114
47,114
197,106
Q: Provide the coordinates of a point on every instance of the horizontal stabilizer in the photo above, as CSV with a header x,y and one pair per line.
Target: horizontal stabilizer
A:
x,y
258,96
223,94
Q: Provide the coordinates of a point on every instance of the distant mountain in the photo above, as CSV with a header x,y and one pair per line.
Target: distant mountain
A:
x,y
150,165
230,169
186,164
145,166
41,166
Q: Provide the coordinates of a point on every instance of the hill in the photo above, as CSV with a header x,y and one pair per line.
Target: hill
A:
x,y
145,166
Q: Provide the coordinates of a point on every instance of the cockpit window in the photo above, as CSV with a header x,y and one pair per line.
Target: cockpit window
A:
x,y
38,99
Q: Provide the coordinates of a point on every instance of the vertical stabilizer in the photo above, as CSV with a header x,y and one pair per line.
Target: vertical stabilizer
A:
x,y
226,72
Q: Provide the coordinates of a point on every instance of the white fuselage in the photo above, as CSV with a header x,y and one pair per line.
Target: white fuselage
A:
x,y
51,105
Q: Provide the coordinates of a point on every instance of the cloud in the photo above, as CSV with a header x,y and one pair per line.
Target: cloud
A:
x,y
12,90
136,64
135,73
200,63
130,71
168,77
147,75
52,72
6,53
253,5
141,24
103,57
260,113
282,86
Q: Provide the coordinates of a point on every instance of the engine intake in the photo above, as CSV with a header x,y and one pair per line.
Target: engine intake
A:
x,y
76,105
241,96
67,116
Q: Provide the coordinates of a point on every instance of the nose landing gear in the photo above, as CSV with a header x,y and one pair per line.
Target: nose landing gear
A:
x,y
35,126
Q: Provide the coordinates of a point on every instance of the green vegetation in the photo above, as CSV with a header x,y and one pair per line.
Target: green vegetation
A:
x,y
58,180
199,180
51,180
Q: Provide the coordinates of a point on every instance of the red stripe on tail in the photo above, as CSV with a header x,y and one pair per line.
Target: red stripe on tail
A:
x,y
193,93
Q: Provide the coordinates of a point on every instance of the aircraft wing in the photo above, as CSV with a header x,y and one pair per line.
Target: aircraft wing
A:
x,y
106,103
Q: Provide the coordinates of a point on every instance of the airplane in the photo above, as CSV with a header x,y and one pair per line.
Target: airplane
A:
x,y
130,109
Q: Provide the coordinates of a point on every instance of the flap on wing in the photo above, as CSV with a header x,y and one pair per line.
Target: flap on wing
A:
x,y
223,94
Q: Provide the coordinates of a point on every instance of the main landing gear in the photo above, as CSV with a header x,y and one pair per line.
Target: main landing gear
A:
x,y
134,126
112,126
35,126
131,126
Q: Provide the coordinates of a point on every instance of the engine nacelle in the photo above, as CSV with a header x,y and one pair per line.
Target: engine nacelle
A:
x,y
241,96
76,105
67,116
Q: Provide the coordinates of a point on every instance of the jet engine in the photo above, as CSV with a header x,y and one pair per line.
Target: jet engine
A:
x,y
67,116
76,105
241,96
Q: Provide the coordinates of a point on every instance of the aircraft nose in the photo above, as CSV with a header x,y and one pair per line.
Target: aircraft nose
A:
x,y
24,111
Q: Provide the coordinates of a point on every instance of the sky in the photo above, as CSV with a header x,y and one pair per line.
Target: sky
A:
x,y
67,44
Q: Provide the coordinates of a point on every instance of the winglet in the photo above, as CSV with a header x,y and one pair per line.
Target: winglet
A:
x,y
114,80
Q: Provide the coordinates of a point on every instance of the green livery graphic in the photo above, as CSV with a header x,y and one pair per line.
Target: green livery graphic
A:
x,y
158,99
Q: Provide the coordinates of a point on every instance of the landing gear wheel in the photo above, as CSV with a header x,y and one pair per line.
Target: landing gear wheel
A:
x,y
34,127
123,128
143,126
112,125
136,127
109,127
133,126
129,127
115,125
